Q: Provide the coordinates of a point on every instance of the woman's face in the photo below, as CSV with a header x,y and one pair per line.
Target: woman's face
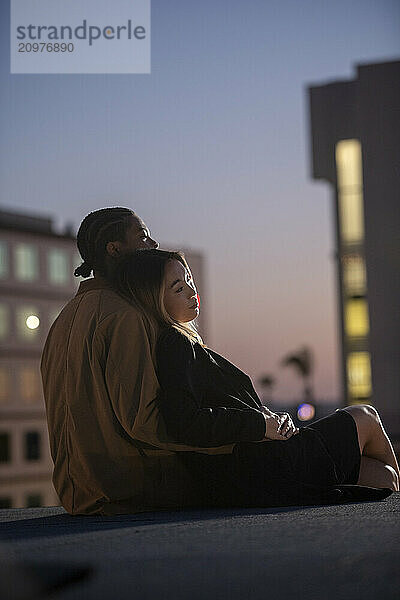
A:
x,y
180,295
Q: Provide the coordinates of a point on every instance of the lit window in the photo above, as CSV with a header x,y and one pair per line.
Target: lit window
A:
x,y
3,260
5,447
32,445
351,217
28,322
356,317
4,321
350,193
26,262
359,374
354,278
4,386
348,164
29,382
33,500
57,263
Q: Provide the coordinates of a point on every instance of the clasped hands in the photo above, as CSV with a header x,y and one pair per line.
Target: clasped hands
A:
x,y
279,426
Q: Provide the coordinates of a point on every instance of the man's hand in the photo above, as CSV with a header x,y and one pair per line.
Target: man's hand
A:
x,y
279,426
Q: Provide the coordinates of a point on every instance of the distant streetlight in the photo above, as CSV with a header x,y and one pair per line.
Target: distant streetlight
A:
x,y
305,412
32,322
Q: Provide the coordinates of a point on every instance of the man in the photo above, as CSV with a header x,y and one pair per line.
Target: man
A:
x,y
110,449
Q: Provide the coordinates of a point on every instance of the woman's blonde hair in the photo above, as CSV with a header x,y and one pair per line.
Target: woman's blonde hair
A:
x,y
140,277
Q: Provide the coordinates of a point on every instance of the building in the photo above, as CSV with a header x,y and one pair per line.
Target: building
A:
x,y
36,280
355,147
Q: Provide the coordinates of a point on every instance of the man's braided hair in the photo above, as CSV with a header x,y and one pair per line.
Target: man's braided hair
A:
x,y
96,230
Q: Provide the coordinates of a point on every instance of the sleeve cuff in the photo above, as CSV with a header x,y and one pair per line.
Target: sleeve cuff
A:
x,y
260,428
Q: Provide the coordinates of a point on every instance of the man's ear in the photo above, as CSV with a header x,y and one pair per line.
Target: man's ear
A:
x,y
113,248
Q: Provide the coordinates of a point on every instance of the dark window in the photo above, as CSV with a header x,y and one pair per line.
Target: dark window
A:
x,y
33,500
4,447
5,502
32,445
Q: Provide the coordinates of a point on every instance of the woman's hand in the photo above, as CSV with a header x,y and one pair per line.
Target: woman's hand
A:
x,y
266,410
279,426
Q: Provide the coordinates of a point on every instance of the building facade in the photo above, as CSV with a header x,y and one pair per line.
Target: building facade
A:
x,y
355,147
36,281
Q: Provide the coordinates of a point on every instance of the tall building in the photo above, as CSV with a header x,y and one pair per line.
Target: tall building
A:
x,y
355,147
36,281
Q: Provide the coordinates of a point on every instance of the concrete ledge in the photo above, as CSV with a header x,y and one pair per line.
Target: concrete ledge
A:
x,y
341,552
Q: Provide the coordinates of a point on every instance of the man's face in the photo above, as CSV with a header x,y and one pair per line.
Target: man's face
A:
x,y
137,236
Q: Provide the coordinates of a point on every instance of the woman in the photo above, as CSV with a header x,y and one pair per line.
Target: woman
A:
x,y
206,401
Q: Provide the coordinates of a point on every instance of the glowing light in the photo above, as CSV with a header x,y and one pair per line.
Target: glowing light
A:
x,y
32,322
350,193
359,374
349,164
354,275
356,317
305,412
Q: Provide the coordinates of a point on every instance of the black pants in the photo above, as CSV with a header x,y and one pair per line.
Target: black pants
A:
x,y
274,473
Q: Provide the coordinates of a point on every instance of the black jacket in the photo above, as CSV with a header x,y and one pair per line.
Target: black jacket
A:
x,y
205,400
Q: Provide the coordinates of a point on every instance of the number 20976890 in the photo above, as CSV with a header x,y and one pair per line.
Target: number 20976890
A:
x,y
45,47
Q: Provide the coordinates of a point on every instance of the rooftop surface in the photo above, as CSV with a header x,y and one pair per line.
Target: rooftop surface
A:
x,y
342,552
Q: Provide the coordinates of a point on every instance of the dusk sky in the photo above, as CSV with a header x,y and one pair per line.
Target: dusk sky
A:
x,y
212,151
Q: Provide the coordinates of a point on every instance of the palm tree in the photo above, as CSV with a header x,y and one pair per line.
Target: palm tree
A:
x,y
303,362
267,382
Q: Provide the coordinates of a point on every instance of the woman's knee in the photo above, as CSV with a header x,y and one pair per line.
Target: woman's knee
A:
x,y
372,412
364,413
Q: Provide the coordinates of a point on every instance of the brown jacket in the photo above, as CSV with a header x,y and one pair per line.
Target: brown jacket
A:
x,y
108,440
